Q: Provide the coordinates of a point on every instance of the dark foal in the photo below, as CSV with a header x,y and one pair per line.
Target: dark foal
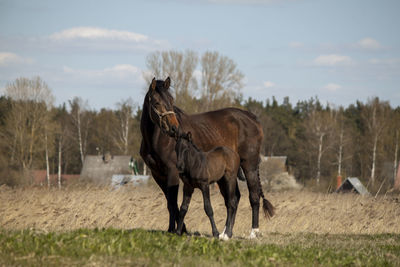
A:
x,y
198,169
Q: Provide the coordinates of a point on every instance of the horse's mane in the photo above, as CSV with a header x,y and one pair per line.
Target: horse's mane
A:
x,y
178,110
196,158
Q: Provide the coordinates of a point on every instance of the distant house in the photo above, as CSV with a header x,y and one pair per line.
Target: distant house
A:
x,y
353,184
274,173
274,165
100,169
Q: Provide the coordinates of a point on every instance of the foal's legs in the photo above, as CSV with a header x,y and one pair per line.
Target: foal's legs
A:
x,y
230,191
232,203
187,195
205,189
223,188
237,197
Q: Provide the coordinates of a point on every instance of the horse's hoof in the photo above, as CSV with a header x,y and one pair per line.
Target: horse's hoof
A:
x,y
255,232
216,234
224,237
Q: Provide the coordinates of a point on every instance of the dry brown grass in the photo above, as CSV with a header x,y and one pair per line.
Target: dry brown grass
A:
x,y
145,207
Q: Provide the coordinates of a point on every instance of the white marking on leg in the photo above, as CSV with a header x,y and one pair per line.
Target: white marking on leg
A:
x,y
221,235
254,233
224,237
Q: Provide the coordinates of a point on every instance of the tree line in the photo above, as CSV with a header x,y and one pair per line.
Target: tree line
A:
x,y
321,141
324,141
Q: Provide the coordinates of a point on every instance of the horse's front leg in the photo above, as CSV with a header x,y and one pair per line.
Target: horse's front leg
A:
x,y
172,198
170,194
205,189
187,196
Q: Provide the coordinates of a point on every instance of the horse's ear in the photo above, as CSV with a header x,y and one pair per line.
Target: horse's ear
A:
x,y
167,83
153,84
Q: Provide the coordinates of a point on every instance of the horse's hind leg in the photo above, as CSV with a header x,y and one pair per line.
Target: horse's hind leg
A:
x,y
253,184
205,189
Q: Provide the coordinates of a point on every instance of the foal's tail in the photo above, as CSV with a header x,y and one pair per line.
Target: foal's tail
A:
x,y
268,208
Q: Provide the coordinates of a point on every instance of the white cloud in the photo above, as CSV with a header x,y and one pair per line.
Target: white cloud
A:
x,y
268,84
7,58
94,38
332,60
332,87
369,44
121,71
93,33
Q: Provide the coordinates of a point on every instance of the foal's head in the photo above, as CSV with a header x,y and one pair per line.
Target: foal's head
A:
x,y
182,146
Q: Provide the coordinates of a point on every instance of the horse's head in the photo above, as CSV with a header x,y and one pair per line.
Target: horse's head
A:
x,y
183,142
161,106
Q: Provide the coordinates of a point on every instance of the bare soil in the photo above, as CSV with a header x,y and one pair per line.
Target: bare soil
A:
x,y
145,207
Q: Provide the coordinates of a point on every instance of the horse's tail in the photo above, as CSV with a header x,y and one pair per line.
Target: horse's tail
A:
x,y
241,174
268,208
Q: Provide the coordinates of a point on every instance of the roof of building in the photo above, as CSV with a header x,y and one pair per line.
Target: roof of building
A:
x,y
353,184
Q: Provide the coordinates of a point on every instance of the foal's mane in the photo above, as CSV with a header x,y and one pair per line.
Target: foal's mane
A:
x,y
190,141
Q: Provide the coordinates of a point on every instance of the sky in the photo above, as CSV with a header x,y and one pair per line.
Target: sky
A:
x,y
340,51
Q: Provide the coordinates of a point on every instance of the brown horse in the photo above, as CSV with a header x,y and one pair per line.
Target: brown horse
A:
x,y
198,169
230,127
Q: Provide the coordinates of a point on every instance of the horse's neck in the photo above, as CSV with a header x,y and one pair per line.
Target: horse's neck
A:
x,y
146,125
151,133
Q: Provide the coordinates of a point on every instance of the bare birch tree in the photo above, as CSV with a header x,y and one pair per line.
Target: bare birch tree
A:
x,y
27,120
62,130
180,67
341,139
81,121
319,128
124,115
221,81
374,115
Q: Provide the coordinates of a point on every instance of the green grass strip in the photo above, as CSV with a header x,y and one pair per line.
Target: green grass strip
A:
x,y
157,248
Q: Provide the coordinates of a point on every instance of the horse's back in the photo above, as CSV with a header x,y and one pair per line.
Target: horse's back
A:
x,y
230,127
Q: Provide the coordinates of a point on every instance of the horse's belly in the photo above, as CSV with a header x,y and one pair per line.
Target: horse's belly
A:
x,y
195,182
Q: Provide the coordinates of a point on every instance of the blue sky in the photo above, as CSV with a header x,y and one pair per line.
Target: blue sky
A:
x,y
340,51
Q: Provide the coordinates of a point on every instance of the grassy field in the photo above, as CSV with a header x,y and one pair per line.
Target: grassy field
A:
x,y
92,226
108,247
